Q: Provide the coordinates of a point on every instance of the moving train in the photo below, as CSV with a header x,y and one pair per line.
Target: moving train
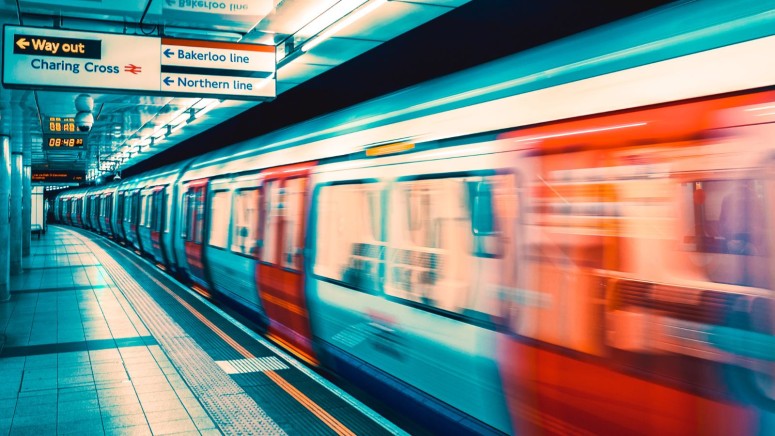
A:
x,y
570,240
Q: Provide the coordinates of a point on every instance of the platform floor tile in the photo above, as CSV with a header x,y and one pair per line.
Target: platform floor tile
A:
x,y
77,359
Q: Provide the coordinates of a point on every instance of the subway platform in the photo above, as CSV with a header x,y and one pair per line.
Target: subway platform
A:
x,y
98,341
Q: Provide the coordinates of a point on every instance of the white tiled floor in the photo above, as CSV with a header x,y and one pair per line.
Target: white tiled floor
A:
x,y
78,359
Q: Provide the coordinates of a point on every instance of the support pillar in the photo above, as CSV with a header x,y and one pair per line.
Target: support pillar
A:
x,y
16,207
5,221
26,202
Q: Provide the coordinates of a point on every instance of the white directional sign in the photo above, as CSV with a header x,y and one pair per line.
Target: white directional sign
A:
x,y
51,58
258,8
206,84
48,57
217,55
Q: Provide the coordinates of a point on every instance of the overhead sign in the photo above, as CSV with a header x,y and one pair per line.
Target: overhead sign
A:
x,y
255,60
61,59
211,67
221,7
58,176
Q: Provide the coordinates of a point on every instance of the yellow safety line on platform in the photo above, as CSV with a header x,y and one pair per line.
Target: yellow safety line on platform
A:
x,y
299,396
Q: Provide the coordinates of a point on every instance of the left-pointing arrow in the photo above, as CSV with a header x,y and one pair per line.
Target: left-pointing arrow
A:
x,y
168,81
22,43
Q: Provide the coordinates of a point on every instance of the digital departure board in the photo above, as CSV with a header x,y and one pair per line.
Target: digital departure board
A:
x,y
60,125
63,141
58,176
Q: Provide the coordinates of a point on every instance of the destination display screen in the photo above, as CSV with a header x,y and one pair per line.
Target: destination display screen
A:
x,y
58,176
60,125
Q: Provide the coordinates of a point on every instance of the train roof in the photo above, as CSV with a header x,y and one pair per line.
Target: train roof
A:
x,y
165,175
665,33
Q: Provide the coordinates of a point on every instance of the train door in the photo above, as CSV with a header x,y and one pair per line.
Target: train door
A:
x,y
195,198
446,249
158,210
279,271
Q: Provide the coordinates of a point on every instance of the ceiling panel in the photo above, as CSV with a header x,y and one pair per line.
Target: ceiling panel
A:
x,y
390,20
131,128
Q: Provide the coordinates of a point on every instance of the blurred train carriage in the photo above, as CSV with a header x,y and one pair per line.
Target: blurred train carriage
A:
x,y
572,239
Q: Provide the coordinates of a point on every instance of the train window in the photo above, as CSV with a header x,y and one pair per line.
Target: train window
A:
x,y
449,239
244,237
153,221
200,215
293,243
196,208
429,260
219,219
149,210
273,212
119,208
184,215
190,214
136,206
158,210
166,210
142,211
128,208
726,219
349,239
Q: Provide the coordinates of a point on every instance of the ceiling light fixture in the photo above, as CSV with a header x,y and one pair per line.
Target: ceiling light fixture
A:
x,y
354,15
181,118
208,108
176,128
334,13
209,34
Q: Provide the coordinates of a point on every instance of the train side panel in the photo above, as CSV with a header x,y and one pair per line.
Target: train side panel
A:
x,y
648,259
233,242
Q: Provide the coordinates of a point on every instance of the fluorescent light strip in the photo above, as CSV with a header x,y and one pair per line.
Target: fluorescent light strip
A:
x,y
176,128
333,14
761,108
580,132
341,24
182,118
210,106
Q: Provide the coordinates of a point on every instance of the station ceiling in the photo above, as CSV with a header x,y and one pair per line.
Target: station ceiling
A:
x,y
310,37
